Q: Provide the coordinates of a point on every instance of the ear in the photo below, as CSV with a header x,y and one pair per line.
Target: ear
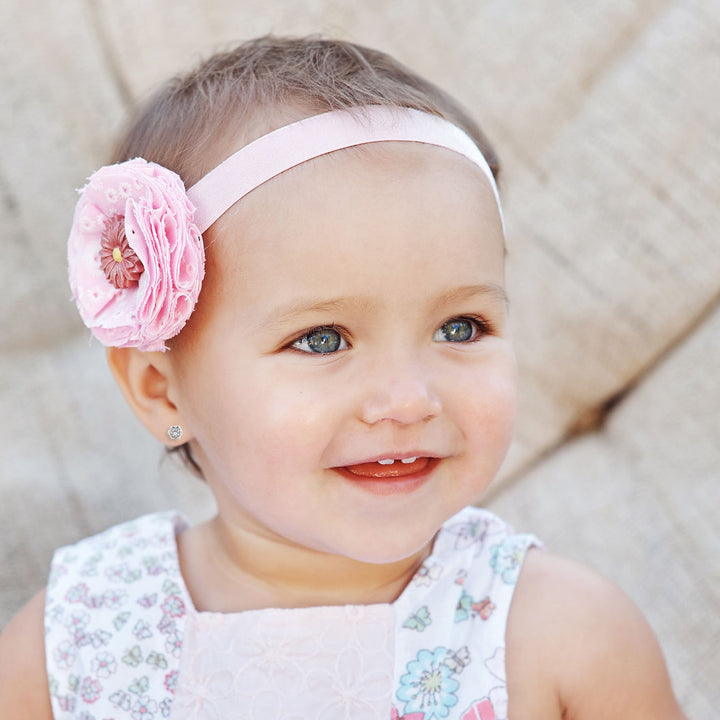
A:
x,y
146,381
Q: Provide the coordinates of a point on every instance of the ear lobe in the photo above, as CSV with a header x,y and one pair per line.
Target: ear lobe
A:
x,y
145,380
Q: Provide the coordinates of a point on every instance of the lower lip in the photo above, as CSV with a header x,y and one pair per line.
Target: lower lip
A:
x,y
391,485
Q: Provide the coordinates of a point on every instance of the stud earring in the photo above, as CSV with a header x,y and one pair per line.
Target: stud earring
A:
x,y
175,432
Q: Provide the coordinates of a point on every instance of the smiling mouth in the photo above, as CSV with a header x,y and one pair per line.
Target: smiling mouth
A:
x,y
389,469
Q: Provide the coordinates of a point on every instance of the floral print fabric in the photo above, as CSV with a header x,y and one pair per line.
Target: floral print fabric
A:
x,y
450,645
114,620
123,639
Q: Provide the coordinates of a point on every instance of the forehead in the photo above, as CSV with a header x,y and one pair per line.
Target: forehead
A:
x,y
391,202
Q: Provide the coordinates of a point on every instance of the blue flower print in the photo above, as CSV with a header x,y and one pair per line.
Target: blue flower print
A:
x,y
428,685
507,558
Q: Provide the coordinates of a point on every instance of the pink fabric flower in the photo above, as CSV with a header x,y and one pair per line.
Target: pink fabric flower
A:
x,y
136,259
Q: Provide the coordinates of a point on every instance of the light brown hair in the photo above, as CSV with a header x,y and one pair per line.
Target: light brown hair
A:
x,y
193,112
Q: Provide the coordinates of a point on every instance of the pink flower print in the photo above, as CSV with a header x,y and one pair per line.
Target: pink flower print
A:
x,y
90,690
480,710
113,599
395,715
144,708
77,593
77,620
65,654
116,573
171,681
174,643
173,606
104,664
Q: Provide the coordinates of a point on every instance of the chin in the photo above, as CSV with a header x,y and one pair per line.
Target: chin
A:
x,y
386,551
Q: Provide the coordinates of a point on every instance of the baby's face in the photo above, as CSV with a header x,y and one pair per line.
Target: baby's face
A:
x,y
353,314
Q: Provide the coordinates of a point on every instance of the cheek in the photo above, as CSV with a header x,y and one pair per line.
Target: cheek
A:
x,y
265,424
492,406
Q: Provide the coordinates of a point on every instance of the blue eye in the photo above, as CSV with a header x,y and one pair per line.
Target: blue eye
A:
x,y
459,330
321,340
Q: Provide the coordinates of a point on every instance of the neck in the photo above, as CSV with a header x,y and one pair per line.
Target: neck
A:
x,y
228,569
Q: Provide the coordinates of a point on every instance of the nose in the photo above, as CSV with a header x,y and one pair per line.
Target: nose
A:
x,y
404,397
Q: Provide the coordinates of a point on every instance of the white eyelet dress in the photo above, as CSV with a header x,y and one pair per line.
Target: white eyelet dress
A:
x,y
123,639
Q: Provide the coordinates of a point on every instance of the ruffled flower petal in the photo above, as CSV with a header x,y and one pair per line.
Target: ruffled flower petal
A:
x,y
136,259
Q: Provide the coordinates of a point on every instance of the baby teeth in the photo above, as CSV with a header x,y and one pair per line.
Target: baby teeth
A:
x,y
404,461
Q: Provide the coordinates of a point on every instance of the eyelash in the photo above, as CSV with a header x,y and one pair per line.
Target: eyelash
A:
x,y
319,328
481,328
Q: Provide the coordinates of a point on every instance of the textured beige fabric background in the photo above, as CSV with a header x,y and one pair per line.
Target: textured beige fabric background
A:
x,y
607,118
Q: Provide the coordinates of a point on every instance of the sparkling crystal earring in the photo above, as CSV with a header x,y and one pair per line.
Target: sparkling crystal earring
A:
x,y
175,432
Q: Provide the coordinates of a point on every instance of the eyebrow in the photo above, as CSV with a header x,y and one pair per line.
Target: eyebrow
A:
x,y
286,313
493,291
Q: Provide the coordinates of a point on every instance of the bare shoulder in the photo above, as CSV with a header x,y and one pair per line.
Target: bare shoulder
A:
x,y
580,649
23,679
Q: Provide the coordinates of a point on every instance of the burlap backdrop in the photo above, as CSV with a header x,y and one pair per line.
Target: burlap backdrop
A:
x,y
606,118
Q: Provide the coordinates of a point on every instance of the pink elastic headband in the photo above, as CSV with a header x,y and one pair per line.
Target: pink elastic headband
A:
x,y
291,145
135,252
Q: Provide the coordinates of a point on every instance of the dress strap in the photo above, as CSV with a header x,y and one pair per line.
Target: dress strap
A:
x,y
451,621
114,622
